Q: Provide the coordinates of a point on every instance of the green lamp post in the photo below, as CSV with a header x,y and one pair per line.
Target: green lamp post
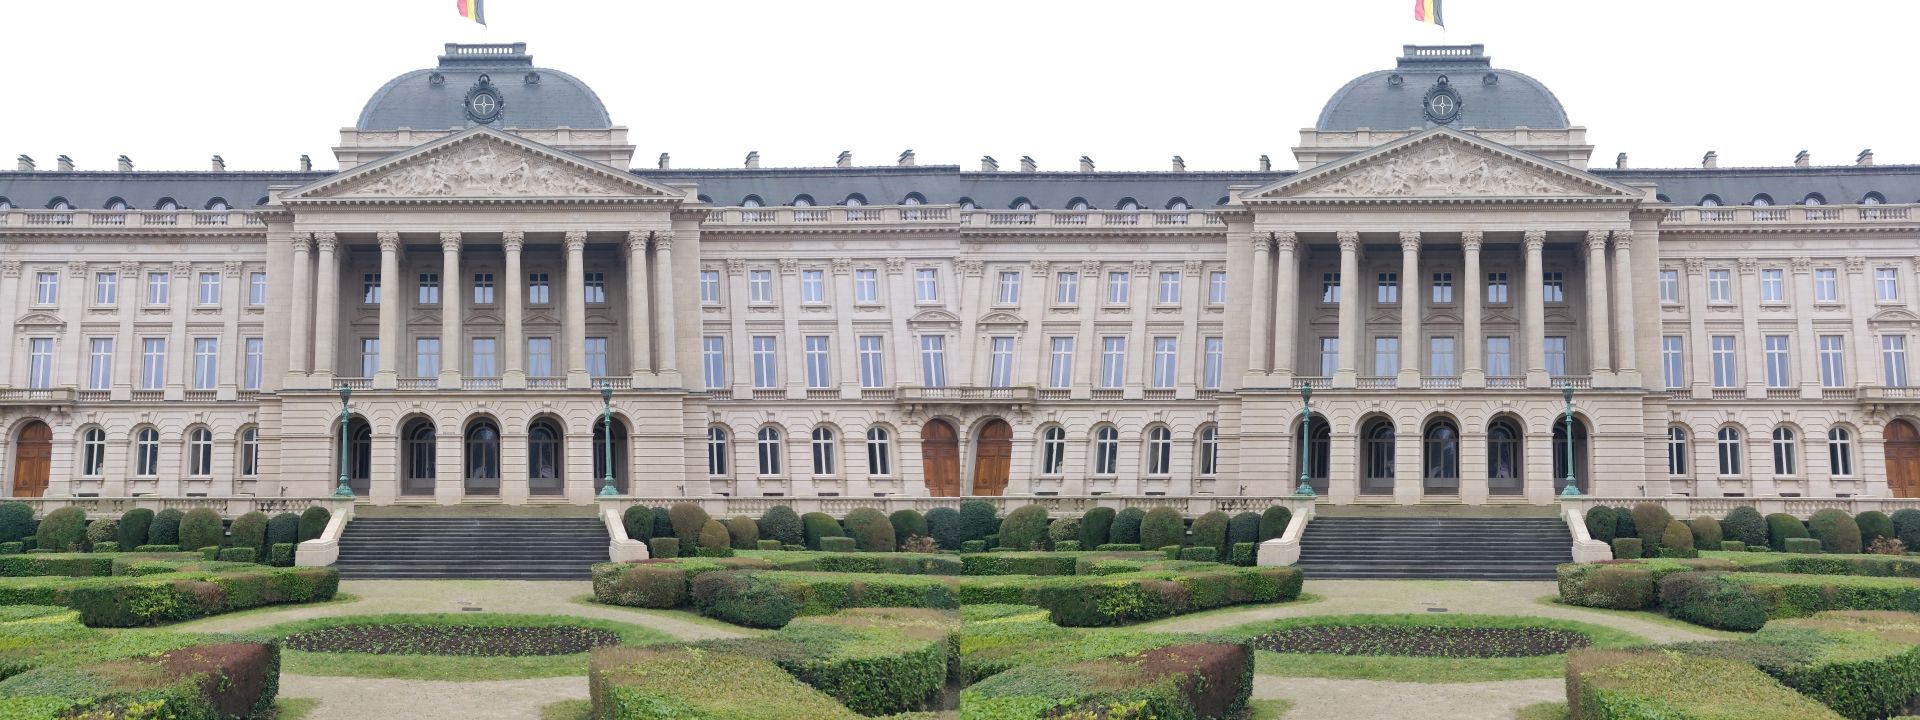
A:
x,y
1573,486
1306,439
606,434
343,490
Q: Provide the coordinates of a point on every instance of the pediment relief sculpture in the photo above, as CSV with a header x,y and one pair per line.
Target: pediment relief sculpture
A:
x,y
482,169
1442,169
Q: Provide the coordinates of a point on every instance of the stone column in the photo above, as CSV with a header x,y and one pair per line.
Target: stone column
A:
x,y
1599,338
388,376
302,315
513,287
639,332
9,308
1866,345
179,348
845,342
452,338
1284,303
1034,300
1536,317
1807,342
1410,285
577,310
1755,370
1473,372
326,308
1140,299
1258,345
1701,365
1627,349
126,353
663,278
1348,375
233,356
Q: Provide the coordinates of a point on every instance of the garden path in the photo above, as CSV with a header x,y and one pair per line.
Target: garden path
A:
x,y
362,698
1324,699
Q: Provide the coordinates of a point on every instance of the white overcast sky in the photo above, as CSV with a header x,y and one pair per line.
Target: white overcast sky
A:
x,y
1128,83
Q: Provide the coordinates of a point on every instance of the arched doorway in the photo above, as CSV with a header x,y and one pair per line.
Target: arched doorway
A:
x,y
1440,458
992,457
359,455
482,458
422,448
546,458
940,458
619,455
1504,458
1580,456
1320,440
1903,459
32,456
1377,457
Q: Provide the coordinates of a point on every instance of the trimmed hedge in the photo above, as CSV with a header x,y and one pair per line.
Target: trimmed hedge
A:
x,y
1780,528
1096,527
249,531
102,531
838,544
870,530
1836,531
743,532
817,525
1127,547
1650,522
1066,546
62,530
134,525
977,520
906,524
1625,548
1273,522
769,545
662,524
714,536
1245,554
1706,533
1243,528
239,554
1126,526
1200,553
166,528
55,667
1210,530
1860,664
1062,530
1733,546
1745,601
200,528
138,600
1654,683
943,525
1906,526
664,547
313,522
1171,679
688,521
1677,541
1623,524
635,683
282,554
781,523
1873,526
158,549
1807,546
638,522
973,546
283,528
1019,563
16,521
872,660
1746,525
1600,523
1161,527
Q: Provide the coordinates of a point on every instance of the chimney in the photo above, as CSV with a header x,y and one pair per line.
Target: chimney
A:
x,y
1803,159
1086,164
987,163
906,158
1865,158
1266,164
1620,161
126,164
26,164
219,165
1710,160
1027,164
845,160
1179,165
664,164
63,163
306,164
753,159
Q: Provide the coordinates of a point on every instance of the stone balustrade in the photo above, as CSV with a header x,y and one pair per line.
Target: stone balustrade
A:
x,y
1057,505
1718,507
228,507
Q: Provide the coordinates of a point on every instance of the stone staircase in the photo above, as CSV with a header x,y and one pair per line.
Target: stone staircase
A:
x,y
508,548
1434,548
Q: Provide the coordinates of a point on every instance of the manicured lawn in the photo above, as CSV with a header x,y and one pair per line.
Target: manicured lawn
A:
x,y
568,710
294,708
1422,669
1543,711
438,667
1268,709
1652,616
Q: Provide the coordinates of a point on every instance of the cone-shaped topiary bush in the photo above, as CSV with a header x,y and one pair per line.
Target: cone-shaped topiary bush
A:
x,y
977,519
816,525
744,531
1782,527
62,530
1095,527
871,531
134,525
1273,522
1025,528
781,523
1210,530
908,523
1162,527
282,528
1126,526
166,527
1706,533
1836,531
1651,520
250,531
688,520
313,524
1906,527
1601,523
16,521
1745,525
943,525
1243,528
638,522
1873,526
200,528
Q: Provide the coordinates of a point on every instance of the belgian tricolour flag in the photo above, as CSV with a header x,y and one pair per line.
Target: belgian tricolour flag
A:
x,y
476,10
1426,11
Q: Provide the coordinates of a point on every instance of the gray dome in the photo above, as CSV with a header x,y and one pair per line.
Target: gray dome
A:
x,y
530,97
1489,98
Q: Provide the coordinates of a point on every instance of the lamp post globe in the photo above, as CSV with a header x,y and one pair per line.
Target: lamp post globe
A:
x,y
606,434
1306,433
1573,486
343,489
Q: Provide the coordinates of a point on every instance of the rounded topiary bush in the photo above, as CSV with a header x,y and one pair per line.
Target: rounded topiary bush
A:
x,y
1126,526
1677,541
62,530
16,521
871,531
1025,528
745,533
200,528
1064,530
1651,520
662,524
977,520
1243,528
1210,530
943,525
166,527
313,524
1906,527
1873,526
907,524
1623,524
638,522
714,536
1780,528
1162,527
688,520
781,523
134,525
816,525
282,528
1274,521
250,531
1601,523
1095,527
103,531
1836,531
1706,533
1745,525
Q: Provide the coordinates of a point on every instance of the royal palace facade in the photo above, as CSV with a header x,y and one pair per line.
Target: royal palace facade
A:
x,y
1441,269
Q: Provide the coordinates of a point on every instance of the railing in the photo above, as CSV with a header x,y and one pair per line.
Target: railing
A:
x,y
876,393
1579,382
1792,393
1801,507
419,383
1789,214
1159,393
1088,218
1317,382
823,393
1108,393
355,383
95,395
149,395
484,383
125,218
1055,394
1439,383
229,507
617,382
1377,382
1882,392
1057,505
1837,393
1022,394
202,395
769,394
37,395
546,382
1506,382
830,214
1721,393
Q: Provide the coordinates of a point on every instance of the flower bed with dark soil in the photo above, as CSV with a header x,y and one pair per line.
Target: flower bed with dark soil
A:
x,y
456,640
1423,641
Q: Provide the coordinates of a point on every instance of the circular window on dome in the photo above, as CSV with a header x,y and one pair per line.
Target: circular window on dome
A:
x,y
484,102
1442,103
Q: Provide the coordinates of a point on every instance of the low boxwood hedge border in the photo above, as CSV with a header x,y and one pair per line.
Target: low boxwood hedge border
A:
x,y
55,667
1018,665
1422,669
1739,591
439,667
135,600
1621,684
1860,664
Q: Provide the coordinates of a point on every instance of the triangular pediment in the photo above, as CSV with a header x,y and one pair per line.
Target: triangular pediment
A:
x,y
482,163
1442,163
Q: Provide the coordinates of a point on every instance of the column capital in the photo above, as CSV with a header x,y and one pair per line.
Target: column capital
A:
x,y
1192,268
1623,239
576,240
843,266
301,243
1748,265
736,266
513,240
1285,240
1410,241
1803,265
896,265
1261,241
450,242
130,268
1597,240
231,268
637,241
1470,240
389,242
971,268
1535,240
1040,268
1856,265
789,266
181,268
1349,240
663,239
326,241
78,268
1090,268
1695,265
1142,267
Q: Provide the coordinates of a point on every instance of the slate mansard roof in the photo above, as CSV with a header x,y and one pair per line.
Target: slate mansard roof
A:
x,y
531,97
1489,98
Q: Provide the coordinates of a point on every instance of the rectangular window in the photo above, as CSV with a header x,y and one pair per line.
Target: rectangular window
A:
x,y
926,285
1719,286
1886,284
206,362
594,287
100,363
1212,360
1499,357
1170,288
766,361
1497,288
1556,347
713,361
1673,360
1066,288
1778,369
873,361
933,361
813,286
106,288
369,357
429,288
1387,289
1217,288
1773,285
1443,288
483,288
257,289
1386,356
369,289
709,287
209,288
1166,361
597,357
46,288
1329,356
1113,362
1440,356
1553,287
157,283
539,289
1000,371
40,363
760,286
1833,361
256,363
1330,288
426,357
1119,284
819,368
1725,368
539,357
1893,360
153,363
866,285
1669,286
1060,363
485,350
1009,288
1826,285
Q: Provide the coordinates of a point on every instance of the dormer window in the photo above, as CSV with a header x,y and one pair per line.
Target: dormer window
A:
x,y
1762,200
751,201
854,200
1021,204
1128,205
1872,198
913,199
1077,204
59,204
5,204
803,201
1710,201
217,205
1814,199
1178,204
967,204
116,204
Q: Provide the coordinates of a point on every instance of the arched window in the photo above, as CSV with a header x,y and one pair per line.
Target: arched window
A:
x,y
1676,451
146,452
218,205
261,201
1814,199
1160,451
855,200
544,461
968,204
93,452
360,458
1785,461
803,201
768,447
166,205
1440,457
1378,454
823,463
879,452
250,452
600,455
1503,458
1021,204
1078,204
1762,200
1178,204
59,203
116,204
200,452
1729,451
913,199
1127,205
1320,443
1872,198
1840,452
422,449
1223,200
1106,451
1710,201
751,201
1561,461
5,204
483,456
1053,451
716,451
1209,451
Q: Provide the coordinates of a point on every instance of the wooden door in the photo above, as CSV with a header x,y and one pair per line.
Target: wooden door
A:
x,y
992,456
31,457
940,459
1903,459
